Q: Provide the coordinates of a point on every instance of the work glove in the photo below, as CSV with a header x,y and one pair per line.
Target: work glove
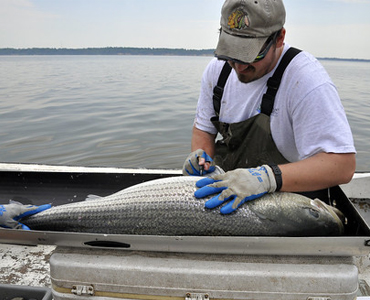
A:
x,y
236,187
11,213
191,166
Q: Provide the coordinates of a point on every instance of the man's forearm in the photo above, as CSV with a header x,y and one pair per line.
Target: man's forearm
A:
x,y
320,171
203,140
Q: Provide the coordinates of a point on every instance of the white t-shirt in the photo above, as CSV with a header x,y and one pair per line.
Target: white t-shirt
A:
x,y
308,117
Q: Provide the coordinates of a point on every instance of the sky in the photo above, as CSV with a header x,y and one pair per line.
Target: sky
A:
x,y
326,28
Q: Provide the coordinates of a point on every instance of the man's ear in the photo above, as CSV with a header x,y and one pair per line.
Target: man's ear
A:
x,y
280,39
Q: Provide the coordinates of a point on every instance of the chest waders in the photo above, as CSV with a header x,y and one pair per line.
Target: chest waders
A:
x,y
249,143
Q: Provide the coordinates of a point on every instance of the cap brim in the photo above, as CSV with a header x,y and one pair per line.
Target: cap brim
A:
x,y
243,49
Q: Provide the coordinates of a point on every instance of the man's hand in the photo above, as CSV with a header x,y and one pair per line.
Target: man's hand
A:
x,y
11,213
194,164
237,187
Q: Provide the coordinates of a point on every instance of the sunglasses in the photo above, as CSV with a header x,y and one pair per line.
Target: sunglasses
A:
x,y
261,55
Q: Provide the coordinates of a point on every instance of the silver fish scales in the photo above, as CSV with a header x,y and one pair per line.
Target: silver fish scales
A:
x,y
168,207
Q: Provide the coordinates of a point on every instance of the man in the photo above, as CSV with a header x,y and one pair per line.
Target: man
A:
x,y
294,139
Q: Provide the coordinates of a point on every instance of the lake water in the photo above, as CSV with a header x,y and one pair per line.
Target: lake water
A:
x,y
127,111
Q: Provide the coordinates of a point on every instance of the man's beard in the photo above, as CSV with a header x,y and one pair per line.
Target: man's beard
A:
x,y
249,77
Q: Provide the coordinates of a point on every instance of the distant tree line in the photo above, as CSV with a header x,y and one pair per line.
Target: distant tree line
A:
x,y
127,51
106,51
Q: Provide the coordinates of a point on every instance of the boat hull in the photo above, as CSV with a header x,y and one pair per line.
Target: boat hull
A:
x,y
40,184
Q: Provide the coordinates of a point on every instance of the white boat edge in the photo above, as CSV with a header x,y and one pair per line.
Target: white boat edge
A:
x,y
358,187
24,167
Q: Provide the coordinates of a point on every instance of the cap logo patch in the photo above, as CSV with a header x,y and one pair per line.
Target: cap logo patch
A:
x,y
238,19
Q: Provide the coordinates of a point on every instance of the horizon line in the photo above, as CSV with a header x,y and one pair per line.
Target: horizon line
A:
x,y
136,48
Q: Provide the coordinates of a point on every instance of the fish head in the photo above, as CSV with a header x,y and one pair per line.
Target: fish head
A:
x,y
323,213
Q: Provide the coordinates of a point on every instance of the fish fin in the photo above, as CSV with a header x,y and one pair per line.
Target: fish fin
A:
x,y
260,215
15,202
92,197
257,213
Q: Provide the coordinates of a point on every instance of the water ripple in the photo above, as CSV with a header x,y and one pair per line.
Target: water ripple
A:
x,y
126,111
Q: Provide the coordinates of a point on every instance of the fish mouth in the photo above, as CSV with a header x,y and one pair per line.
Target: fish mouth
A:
x,y
334,212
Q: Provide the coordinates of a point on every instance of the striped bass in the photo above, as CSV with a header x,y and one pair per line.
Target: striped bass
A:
x,y
168,207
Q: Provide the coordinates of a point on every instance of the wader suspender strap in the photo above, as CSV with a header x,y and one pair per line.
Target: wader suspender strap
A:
x,y
273,83
219,88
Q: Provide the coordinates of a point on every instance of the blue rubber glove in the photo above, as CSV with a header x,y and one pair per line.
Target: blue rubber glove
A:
x,y
236,187
191,166
11,213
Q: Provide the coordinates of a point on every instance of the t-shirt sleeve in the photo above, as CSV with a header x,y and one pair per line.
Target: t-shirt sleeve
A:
x,y
320,123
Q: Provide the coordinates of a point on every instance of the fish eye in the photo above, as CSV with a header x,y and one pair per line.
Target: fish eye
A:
x,y
314,213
